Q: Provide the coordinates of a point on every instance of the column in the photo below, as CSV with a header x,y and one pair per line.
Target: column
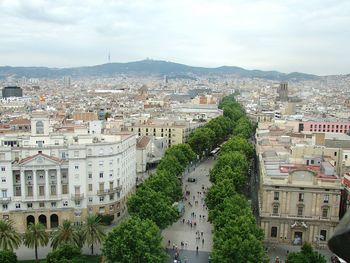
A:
x,y
286,228
288,202
317,210
35,186
23,185
311,234
59,184
313,205
47,184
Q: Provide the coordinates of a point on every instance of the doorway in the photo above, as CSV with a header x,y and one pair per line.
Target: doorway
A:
x,y
298,238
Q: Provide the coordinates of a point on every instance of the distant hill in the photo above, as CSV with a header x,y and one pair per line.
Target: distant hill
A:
x,y
146,67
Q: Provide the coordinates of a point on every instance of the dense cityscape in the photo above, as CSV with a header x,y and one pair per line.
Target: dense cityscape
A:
x,y
239,155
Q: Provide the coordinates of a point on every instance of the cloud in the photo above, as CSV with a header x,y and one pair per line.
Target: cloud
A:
x,y
290,35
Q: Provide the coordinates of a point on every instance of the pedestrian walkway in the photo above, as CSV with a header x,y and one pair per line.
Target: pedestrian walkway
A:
x,y
181,234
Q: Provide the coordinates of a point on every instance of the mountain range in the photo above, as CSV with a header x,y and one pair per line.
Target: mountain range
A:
x,y
148,67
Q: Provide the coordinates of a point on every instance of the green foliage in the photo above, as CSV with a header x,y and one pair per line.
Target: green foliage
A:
x,y
149,204
243,128
219,192
239,144
92,231
231,207
106,219
166,184
9,238
170,164
64,234
35,236
64,253
202,140
237,238
7,256
238,165
134,240
306,255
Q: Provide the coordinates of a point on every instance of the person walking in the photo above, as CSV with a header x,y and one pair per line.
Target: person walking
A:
x,y
197,250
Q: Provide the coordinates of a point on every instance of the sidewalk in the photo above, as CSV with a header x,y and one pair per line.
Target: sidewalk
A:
x,y
183,232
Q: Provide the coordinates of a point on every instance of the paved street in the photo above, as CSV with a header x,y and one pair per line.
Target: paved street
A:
x,y
183,232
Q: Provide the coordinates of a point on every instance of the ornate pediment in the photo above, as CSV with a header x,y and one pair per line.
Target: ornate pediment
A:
x,y
39,160
299,224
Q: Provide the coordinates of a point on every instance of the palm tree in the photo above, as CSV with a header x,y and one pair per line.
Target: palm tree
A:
x,y
9,238
35,236
92,231
63,234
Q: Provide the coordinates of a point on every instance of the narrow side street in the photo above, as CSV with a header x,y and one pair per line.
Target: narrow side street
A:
x,y
195,211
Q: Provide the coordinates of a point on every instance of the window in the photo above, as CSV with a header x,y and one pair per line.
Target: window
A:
x,y
275,209
335,153
346,157
4,207
323,235
101,209
111,197
18,205
4,193
30,205
53,204
100,163
111,173
274,231
53,189
3,169
41,204
300,210
65,189
76,167
326,199
101,174
90,187
90,199
276,196
325,212
77,203
41,190
90,175
110,162
301,197
102,198
65,203
89,164
3,179
39,127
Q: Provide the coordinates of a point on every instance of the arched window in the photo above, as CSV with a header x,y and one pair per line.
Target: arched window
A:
x,y
275,209
39,127
30,219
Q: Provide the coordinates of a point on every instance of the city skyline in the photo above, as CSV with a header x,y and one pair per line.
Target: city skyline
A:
x,y
268,35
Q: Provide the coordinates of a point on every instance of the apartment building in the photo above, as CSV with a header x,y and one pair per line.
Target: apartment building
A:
x,y
48,177
300,190
174,132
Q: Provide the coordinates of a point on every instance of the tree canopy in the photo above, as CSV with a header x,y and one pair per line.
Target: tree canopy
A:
x,y
306,255
134,240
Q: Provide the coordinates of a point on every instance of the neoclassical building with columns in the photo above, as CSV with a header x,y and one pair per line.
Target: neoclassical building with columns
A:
x,y
48,176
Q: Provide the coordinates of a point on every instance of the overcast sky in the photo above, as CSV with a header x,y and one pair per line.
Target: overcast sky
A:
x,y
311,36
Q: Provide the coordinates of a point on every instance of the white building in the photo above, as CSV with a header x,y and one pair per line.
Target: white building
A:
x,y
49,177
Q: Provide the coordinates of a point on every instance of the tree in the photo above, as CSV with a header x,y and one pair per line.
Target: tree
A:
x,y
179,155
7,256
201,140
92,231
149,204
171,165
306,255
35,236
232,207
219,192
239,144
238,164
9,238
243,128
239,241
65,253
166,184
187,151
64,234
134,240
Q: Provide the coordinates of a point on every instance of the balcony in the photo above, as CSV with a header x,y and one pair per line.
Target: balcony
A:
x,y
109,191
5,200
77,197
115,189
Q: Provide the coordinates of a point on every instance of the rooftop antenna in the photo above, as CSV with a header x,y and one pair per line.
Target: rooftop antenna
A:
x,y
109,57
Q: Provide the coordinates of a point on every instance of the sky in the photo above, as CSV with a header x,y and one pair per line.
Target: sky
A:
x,y
286,35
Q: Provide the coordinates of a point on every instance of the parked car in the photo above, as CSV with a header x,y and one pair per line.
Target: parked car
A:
x,y
191,180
